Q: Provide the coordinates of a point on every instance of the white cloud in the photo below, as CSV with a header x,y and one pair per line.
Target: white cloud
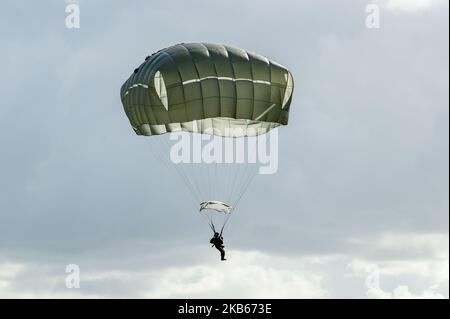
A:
x,y
435,244
245,275
413,5
427,261
8,271
402,292
423,255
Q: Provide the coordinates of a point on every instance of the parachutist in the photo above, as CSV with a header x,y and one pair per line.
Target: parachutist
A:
x,y
217,242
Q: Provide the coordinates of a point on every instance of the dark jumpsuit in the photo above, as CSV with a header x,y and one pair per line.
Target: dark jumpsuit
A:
x,y
218,243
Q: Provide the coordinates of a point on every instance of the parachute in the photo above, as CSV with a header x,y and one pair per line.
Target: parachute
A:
x,y
220,207
213,210
209,89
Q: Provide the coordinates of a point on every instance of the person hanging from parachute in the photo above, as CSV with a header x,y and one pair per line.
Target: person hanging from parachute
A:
x,y
217,241
213,211
209,89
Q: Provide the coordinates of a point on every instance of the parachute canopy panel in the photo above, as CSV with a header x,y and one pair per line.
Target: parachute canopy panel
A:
x,y
207,88
220,207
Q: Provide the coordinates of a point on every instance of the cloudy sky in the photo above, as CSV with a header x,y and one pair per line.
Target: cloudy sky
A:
x,y
359,205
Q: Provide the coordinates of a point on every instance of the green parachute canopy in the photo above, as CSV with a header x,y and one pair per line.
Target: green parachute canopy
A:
x,y
207,88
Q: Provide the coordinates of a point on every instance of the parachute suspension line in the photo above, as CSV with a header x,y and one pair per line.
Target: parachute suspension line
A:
x,y
227,184
246,184
239,173
233,175
239,177
225,221
160,155
235,203
226,179
209,222
195,172
219,171
220,187
191,178
248,175
233,184
216,184
217,181
195,191
192,185
208,168
238,182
